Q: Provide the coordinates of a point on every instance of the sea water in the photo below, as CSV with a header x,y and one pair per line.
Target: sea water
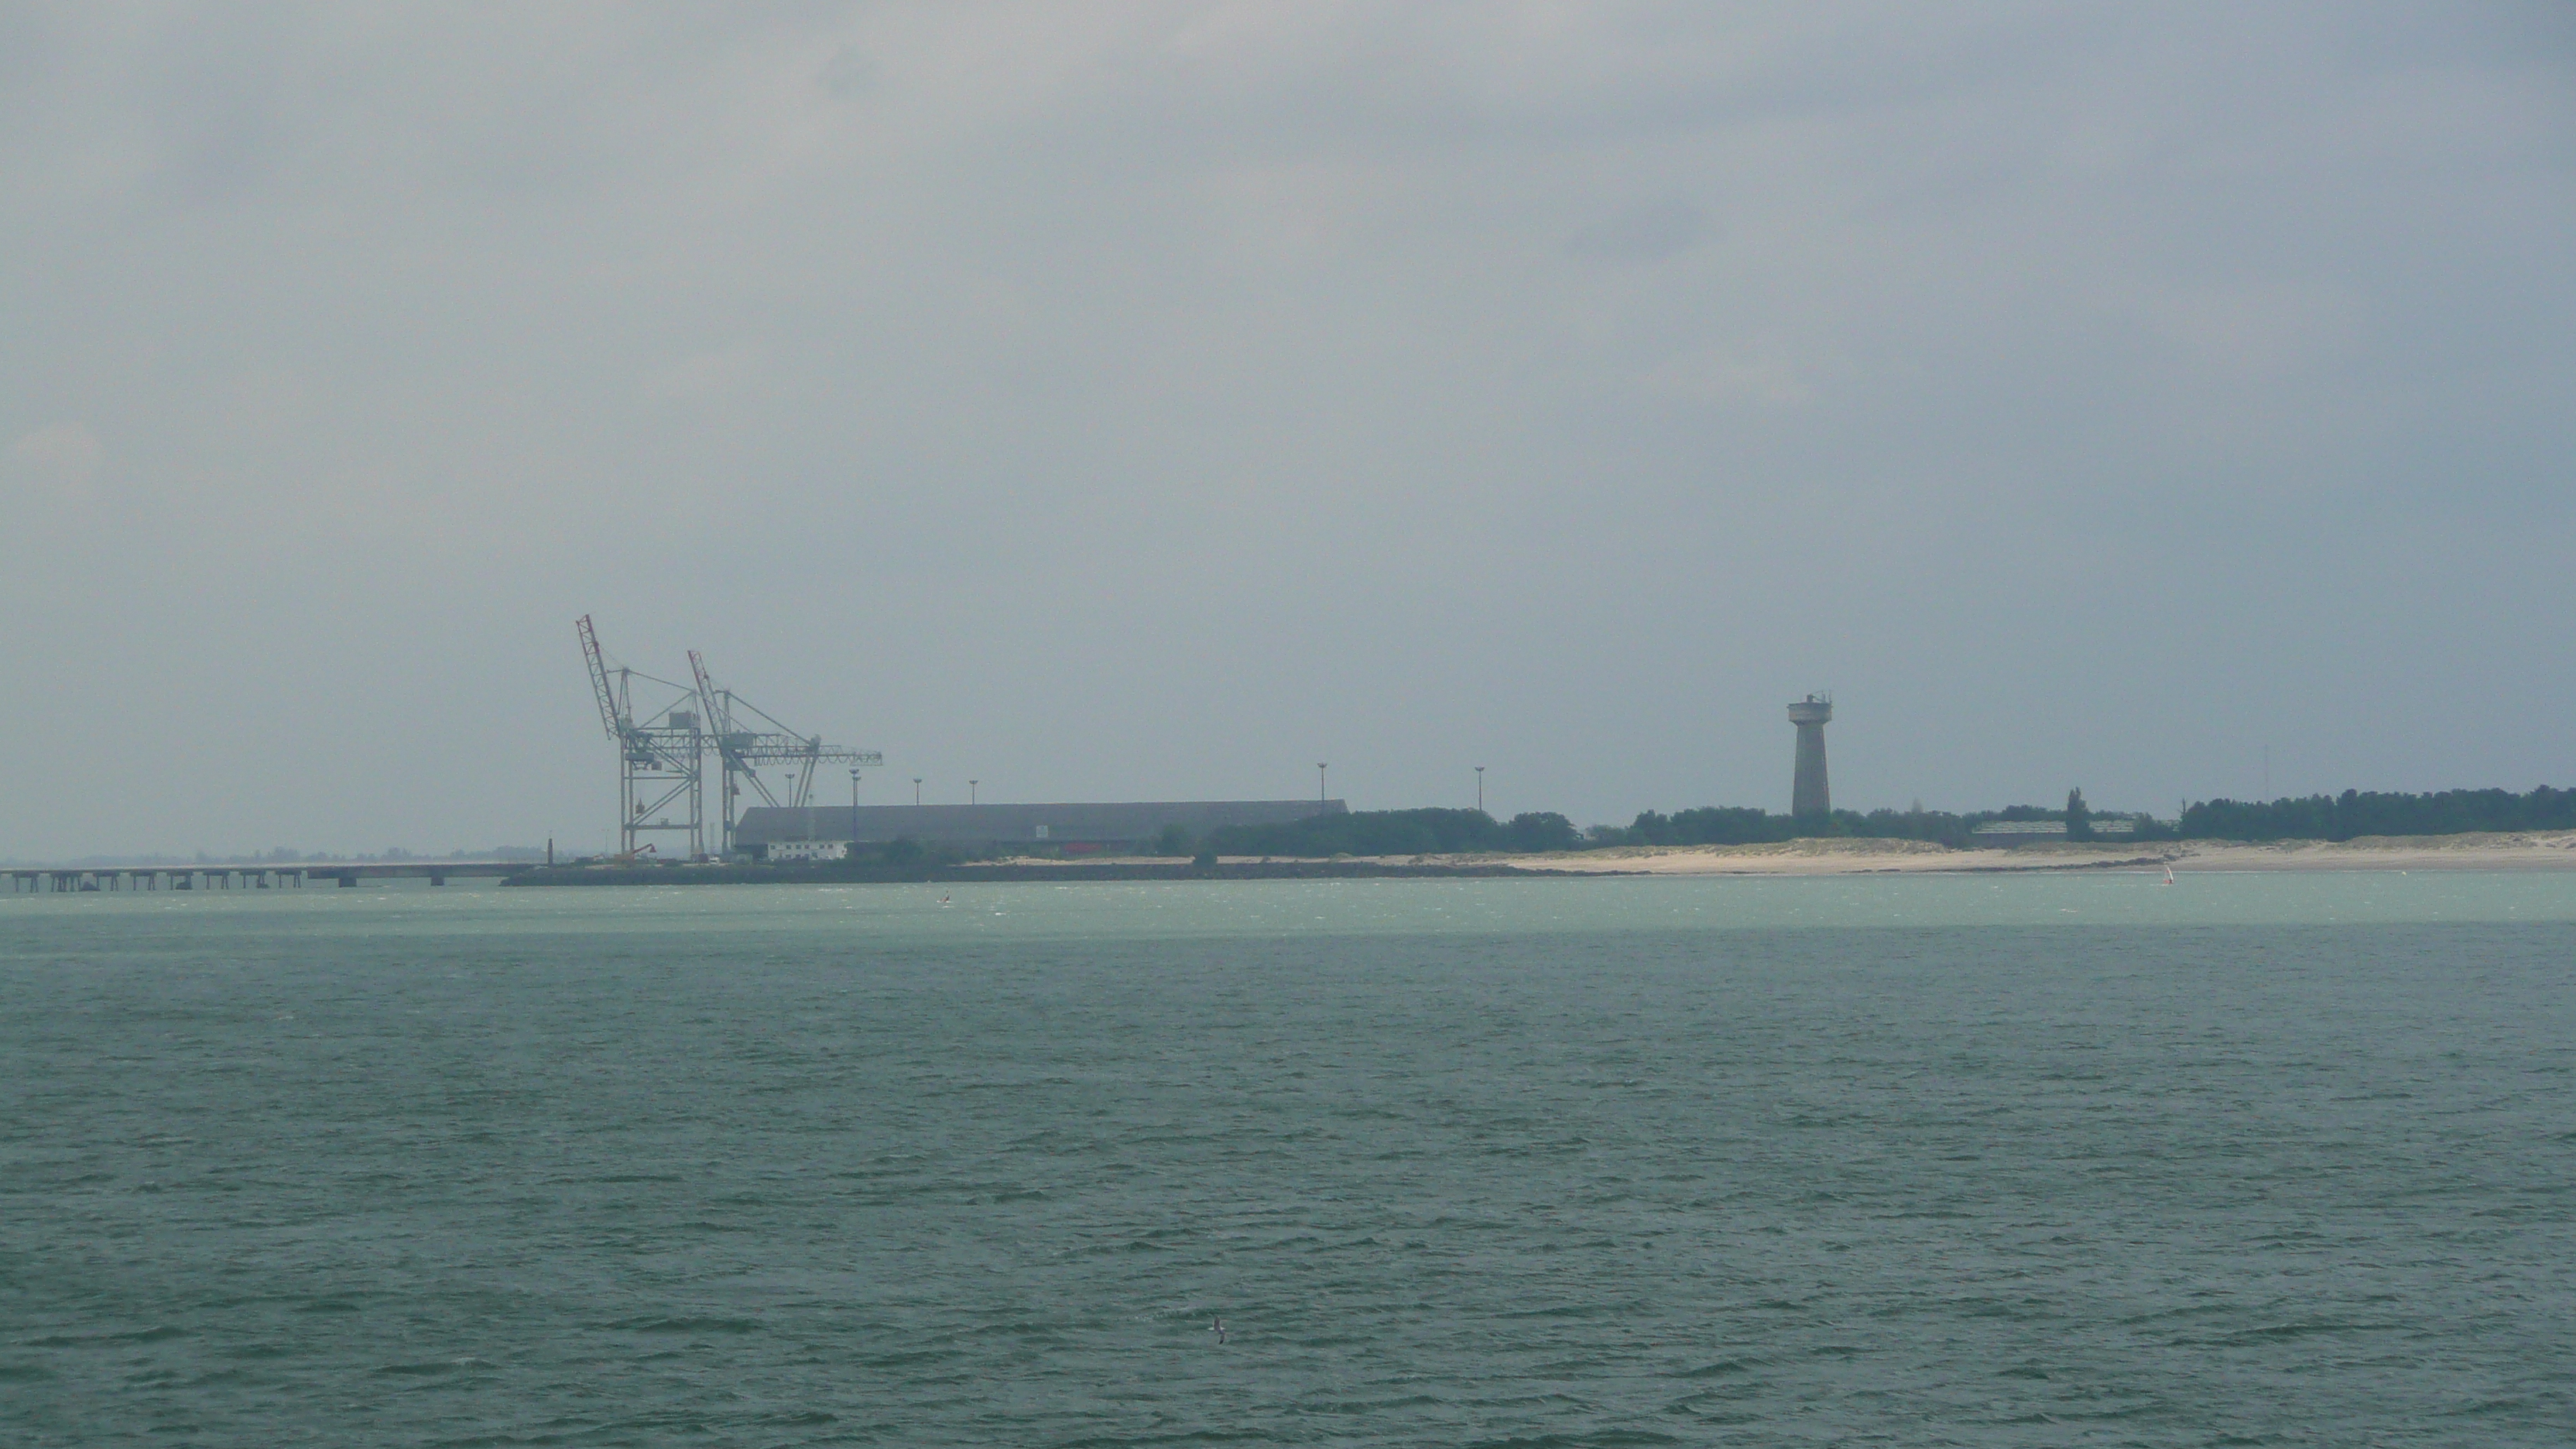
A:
x,y
2254,1159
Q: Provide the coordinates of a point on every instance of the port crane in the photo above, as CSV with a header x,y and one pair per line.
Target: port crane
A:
x,y
660,752
742,747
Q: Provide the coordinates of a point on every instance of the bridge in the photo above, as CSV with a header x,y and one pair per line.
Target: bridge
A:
x,y
300,875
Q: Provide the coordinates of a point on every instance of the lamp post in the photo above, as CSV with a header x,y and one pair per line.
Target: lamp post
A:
x,y
1319,782
1480,789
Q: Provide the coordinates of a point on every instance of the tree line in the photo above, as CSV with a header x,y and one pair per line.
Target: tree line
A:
x,y
1394,832
2315,817
1458,832
2356,812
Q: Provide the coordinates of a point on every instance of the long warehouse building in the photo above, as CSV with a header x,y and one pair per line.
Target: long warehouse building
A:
x,y
1102,826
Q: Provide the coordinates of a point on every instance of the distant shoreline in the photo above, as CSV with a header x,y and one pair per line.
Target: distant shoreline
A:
x,y
1812,857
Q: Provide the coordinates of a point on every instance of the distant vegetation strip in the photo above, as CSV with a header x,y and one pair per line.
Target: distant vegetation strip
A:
x,y
2315,817
1452,832
2356,813
1398,832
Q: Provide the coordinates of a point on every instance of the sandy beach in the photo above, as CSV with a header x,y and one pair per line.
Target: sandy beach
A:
x,y
2542,851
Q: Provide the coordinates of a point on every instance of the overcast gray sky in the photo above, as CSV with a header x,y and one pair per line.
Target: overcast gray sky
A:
x,y
1150,400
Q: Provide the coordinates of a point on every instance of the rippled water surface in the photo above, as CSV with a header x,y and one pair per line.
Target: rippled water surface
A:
x,y
2252,1159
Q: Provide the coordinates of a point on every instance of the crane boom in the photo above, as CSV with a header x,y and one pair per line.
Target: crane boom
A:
x,y
610,717
709,709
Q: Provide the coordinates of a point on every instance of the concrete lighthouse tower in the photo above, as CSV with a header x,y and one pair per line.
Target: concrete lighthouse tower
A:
x,y
1808,795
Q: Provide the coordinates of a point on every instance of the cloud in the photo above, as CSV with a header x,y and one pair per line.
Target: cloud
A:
x,y
58,461
707,374
1648,232
1761,381
2251,333
848,74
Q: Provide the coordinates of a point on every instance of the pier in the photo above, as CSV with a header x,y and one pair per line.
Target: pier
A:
x,y
57,879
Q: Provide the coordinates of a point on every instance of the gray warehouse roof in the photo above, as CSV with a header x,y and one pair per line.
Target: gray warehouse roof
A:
x,y
1104,824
